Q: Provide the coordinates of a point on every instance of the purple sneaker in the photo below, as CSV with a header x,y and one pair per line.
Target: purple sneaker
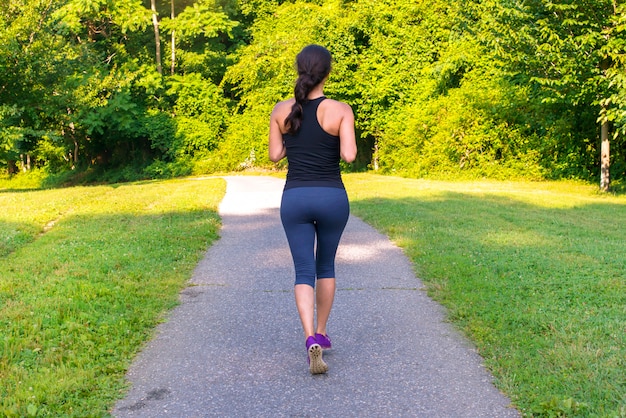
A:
x,y
316,362
323,341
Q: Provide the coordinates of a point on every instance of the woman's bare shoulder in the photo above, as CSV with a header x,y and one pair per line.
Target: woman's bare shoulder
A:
x,y
336,105
284,106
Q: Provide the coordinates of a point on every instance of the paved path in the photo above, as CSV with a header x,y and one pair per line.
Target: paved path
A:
x,y
234,347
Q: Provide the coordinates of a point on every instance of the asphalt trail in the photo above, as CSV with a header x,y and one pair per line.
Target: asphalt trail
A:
x,y
234,346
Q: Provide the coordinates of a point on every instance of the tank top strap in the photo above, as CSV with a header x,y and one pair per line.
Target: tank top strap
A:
x,y
310,109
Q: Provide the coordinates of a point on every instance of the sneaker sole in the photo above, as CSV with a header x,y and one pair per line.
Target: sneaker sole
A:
x,y
316,362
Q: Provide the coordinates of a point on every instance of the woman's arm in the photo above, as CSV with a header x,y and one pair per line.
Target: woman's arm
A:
x,y
277,149
347,137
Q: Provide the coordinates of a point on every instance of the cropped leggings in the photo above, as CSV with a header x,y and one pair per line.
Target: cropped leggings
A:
x,y
310,215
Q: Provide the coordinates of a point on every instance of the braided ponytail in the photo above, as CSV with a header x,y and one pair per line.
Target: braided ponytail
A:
x,y
313,64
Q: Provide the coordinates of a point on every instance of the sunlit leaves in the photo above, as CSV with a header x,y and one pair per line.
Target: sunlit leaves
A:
x,y
100,17
200,19
433,83
201,114
615,52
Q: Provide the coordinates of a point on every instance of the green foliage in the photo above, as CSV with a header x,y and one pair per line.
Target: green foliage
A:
x,y
51,152
388,68
66,99
200,20
99,18
204,34
31,60
431,106
253,9
580,42
264,75
160,128
201,113
245,143
265,72
469,88
614,51
164,170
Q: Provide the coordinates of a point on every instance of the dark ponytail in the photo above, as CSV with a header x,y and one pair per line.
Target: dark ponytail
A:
x,y
313,64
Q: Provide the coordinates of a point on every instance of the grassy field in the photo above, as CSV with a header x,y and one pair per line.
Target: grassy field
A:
x,y
86,273
534,273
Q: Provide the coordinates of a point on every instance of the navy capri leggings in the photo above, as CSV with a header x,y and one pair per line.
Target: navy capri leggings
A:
x,y
310,215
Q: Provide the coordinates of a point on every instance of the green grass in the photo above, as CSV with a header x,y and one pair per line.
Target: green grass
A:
x,y
533,273
86,273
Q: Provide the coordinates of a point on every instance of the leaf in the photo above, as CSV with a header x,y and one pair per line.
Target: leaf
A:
x,y
32,410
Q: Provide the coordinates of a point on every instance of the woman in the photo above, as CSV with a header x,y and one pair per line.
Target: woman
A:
x,y
314,133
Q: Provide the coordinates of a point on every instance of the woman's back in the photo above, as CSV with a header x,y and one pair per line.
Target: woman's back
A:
x,y
334,117
312,152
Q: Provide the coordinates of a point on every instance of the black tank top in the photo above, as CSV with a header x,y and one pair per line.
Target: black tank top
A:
x,y
312,153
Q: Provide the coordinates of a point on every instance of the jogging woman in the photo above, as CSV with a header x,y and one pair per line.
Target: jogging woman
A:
x,y
314,133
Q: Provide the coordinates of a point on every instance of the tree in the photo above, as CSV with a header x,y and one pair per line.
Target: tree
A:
x,y
391,75
264,74
35,63
203,33
495,88
560,48
157,38
613,109
173,65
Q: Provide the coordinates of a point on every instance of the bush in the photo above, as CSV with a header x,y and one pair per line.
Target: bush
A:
x,y
245,142
162,170
200,117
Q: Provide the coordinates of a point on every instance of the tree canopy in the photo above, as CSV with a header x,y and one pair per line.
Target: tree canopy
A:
x,y
496,88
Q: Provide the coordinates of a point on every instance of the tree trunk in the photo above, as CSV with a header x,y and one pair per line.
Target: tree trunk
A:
x,y
157,39
12,167
74,157
25,162
605,157
173,41
375,156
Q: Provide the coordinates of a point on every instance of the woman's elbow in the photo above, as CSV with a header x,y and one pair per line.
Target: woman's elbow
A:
x,y
276,156
348,156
